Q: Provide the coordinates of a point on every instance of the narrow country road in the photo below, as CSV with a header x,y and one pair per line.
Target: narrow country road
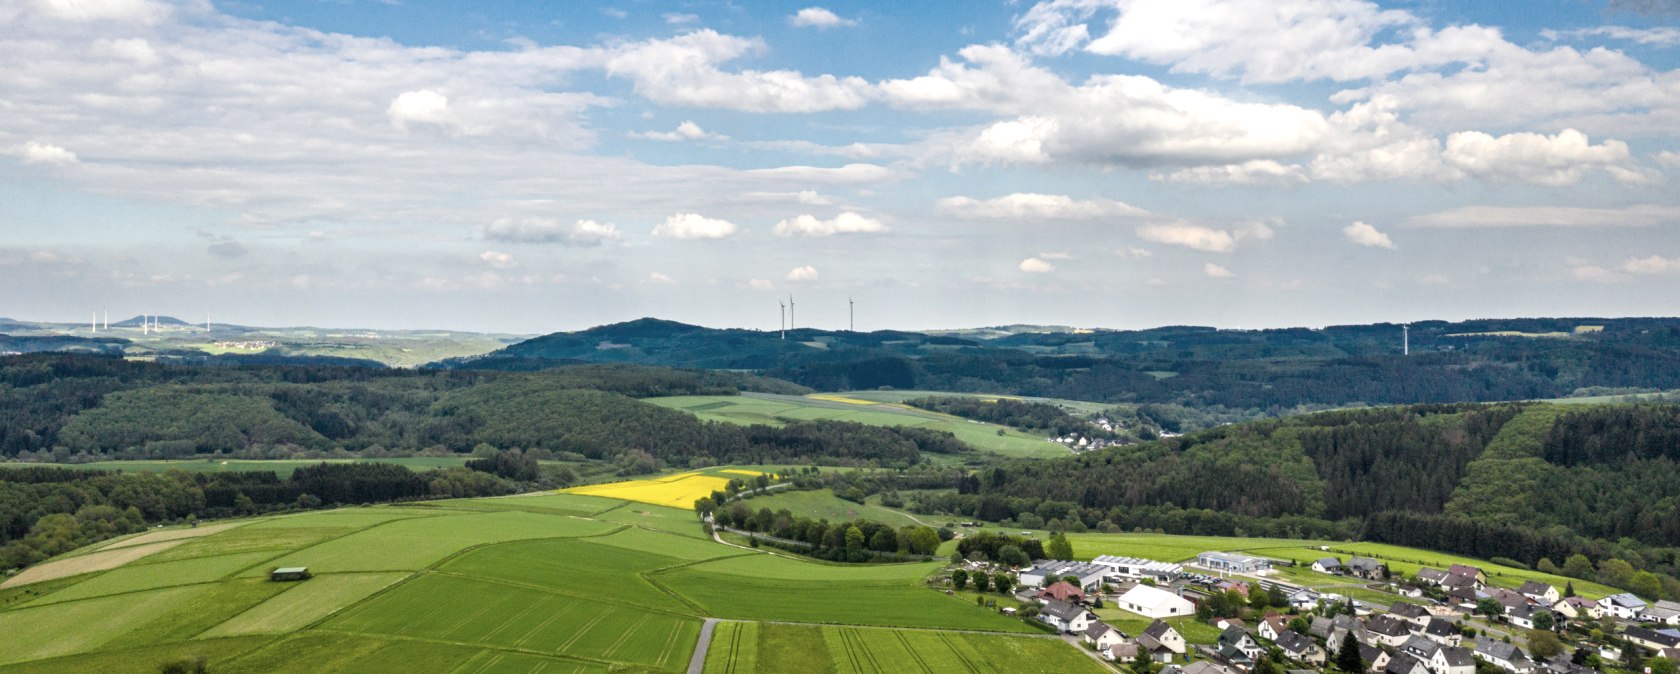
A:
x,y
698,662
1074,641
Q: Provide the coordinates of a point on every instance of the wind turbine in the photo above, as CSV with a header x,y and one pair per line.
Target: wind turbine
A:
x,y
783,323
1406,340
851,314
790,311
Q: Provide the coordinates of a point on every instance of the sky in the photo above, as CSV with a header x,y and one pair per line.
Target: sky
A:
x,y
533,166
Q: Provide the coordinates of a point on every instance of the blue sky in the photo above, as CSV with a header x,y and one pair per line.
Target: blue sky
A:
x,y
538,166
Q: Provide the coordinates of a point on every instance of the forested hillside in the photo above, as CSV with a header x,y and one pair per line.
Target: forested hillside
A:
x,y
1257,372
72,408
1535,483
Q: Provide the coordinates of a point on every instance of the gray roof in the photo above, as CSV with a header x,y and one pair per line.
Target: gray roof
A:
x,y
1625,599
1293,642
1534,587
1059,567
1329,562
1097,629
1440,627
1499,650
1652,636
1158,629
1406,610
1364,564
1062,610
1420,647
1458,657
1233,635
1389,626
1403,663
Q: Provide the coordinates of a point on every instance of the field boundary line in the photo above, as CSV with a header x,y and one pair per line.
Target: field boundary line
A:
x,y
952,630
481,646
559,593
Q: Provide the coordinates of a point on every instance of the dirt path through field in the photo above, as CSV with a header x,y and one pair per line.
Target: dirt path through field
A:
x,y
698,662
172,535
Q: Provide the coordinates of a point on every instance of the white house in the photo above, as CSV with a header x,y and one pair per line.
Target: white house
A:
x,y
1153,602
1576,607
1162,634
1066,617
1102,636
1299,648
1449,660
1541,593
1327,565
1664,611
1626,605
1504,655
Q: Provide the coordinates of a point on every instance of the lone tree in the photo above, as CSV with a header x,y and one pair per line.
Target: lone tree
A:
x,y
1060,548
1347,657
959,578
982,582
1003,582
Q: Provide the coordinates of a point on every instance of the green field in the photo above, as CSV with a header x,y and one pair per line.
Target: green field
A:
x,y
1078,406
823,504
776,410
749,648
556,583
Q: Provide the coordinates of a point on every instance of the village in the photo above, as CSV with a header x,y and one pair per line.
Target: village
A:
x,y
1229,613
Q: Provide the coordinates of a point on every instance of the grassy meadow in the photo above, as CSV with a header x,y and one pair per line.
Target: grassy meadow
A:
x,y
777,410
752,648
550,582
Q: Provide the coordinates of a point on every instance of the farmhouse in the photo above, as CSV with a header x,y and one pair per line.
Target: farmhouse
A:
x,y
1090,576
1625,605
1066,617
1136,568
289,573
1153,602
1328,565
1664,611
1231,562
1504,656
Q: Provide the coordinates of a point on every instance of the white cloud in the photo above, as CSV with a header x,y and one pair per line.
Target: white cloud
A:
x,y
1366,235
1654,264
1134,252
1028,206
423,106
1595,274
1217,271
760,284
848,174
661,279
1662,36
804,273
142,11
683,70
844,223
675,19
498,260
694,226
1252,172
818,17
684,131
550,230
1556,160
1201,238
1033,265
1468,217
1669,159
42,153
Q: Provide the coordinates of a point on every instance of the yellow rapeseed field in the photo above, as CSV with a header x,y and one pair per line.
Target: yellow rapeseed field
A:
x,y
675,491
841,399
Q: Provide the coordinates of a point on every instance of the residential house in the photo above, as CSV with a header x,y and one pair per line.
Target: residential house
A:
x,y
1328,565
1578,607
1664,611
1065,617
1652,639
1061,591
1451,660
1228,585
1152,602
1523,616
1298,647
1103,637
1231,562
1432,576
1389,630
1203,667
1303,600
1164,634
1563,664
1365,567
1375,659
1411,613
1136,568
1443,632
1228,623
1125,651
1239,648
1508,599
1467,570
1542,593
1405,663
1272,626
1503,655
1090,576
1626,605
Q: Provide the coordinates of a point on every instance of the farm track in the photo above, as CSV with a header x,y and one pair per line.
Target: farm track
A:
x,y
698,661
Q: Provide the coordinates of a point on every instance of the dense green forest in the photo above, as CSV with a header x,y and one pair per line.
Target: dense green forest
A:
x,y
1538,483
1245,373
1024,415
77,407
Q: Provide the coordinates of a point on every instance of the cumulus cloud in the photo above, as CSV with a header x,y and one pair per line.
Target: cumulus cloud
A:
x,y
42,153
424,106
142,11
1217,271
1028,206
818,17
1366,235
1033,265
1201,238
1669,159
804,273
684,131
694,226
1472,217
582,233
844,223
498,260
1252,172
684,71
1559,159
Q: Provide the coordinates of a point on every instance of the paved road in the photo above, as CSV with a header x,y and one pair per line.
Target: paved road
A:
x,y
698,662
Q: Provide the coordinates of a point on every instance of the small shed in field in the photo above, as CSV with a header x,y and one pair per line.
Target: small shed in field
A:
x,y
289,573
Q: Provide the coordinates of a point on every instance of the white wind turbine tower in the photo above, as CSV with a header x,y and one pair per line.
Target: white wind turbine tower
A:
x,y
1406,340
783,324
851,314
790,311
